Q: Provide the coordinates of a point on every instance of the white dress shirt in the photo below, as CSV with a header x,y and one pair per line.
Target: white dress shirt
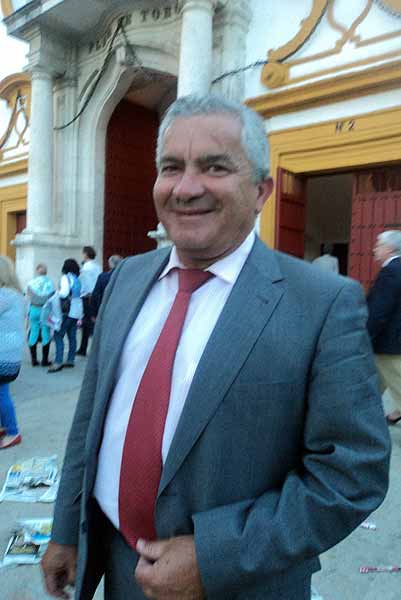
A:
x,y
204,309
90,271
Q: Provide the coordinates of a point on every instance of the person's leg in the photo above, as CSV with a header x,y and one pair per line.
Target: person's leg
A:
x,y
72,340
86,327
34,325
34,356
59,341
389,368
7,410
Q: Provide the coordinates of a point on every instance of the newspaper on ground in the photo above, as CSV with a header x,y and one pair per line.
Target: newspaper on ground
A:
x,y
28,542
32,480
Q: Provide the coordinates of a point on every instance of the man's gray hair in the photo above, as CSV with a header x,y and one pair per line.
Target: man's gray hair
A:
x,y
253,134
391,239
113,260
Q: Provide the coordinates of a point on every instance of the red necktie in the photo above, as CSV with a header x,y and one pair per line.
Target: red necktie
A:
x,y
141,463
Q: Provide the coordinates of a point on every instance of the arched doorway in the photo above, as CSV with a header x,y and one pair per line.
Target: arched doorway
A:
x,y
130,174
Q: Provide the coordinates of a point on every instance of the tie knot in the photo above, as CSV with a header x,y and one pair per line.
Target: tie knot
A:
x,y
190,280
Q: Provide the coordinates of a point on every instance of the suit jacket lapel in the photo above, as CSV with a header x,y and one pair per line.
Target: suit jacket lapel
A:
x,y
247,311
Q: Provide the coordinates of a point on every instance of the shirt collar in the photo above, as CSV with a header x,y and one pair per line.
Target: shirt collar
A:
x,y
388,261
227,268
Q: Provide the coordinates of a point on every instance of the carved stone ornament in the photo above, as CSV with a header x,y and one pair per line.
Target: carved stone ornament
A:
x,y
391,6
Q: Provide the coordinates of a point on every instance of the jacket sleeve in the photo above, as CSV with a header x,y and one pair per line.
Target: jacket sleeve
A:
x,y
343,472
67,509
383,300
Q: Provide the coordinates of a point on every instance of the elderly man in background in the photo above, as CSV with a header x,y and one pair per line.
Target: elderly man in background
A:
x,y
384,323
101,284
229,427
90,271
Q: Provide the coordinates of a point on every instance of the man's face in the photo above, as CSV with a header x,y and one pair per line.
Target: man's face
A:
x,y
204,194
382,252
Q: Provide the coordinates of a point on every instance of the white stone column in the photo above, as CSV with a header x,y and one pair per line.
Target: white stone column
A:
x,y
195,70
40,169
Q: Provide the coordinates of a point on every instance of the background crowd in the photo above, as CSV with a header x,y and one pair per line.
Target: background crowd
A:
x,y
46,311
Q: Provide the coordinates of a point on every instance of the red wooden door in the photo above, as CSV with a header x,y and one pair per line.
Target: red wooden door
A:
x,y
130,175
20,221
376,207
290,213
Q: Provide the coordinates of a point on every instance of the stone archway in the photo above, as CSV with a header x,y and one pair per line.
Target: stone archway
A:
x,y
121,80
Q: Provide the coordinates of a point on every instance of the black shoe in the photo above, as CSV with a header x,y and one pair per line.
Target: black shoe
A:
x,y
80,353
45,356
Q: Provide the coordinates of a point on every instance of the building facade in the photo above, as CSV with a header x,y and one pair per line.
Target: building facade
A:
x,y
324,74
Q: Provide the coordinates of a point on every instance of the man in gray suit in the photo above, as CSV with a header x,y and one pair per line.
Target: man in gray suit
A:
x,y
274,444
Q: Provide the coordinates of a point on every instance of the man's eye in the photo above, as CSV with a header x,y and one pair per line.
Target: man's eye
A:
x,y
217,169
169,169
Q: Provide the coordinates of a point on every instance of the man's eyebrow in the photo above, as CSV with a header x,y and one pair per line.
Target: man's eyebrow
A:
x,y
210,158
170,159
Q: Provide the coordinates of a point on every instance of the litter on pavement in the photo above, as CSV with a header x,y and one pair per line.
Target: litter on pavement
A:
x,y
28,542
33,480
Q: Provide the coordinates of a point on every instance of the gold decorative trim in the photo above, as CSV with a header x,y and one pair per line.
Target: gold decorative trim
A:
x,y
355,142
343,87
348,32
392,5
13,168
13,199
7,8
278,73
308,26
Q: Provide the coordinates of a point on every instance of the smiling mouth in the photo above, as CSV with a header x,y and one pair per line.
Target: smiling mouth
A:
x,y
193,213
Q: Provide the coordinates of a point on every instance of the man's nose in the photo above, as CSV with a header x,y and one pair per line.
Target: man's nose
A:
x,y
189,186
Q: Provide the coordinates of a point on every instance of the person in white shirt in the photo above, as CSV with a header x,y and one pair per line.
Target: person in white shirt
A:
x,y
327,261
90,271
71,309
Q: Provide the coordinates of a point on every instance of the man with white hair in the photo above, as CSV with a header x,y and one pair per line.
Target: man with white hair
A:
x,y
384,323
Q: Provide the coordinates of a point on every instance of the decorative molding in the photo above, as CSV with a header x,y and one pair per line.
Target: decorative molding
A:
x,y
308,26
7,8
348,32
391,6
342,87
354,142
13,199
14,168
16,90
277,73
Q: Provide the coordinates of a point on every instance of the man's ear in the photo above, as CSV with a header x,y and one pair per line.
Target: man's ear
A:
x,y
265,189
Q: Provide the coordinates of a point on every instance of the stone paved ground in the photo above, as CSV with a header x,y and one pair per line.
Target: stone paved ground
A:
x,y
45,405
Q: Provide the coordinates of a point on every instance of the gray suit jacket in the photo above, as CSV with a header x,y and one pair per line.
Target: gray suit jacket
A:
x,y
282,448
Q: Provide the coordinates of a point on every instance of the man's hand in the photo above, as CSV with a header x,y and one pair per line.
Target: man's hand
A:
x,y
168,569
59,566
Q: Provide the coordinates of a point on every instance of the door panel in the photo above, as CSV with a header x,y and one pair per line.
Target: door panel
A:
x,y
130,175
376,207
290,213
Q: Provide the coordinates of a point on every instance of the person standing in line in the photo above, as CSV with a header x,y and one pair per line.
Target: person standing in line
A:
x,y
90,271
229,427
39,290
69,294
101,283
12,314
384,323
